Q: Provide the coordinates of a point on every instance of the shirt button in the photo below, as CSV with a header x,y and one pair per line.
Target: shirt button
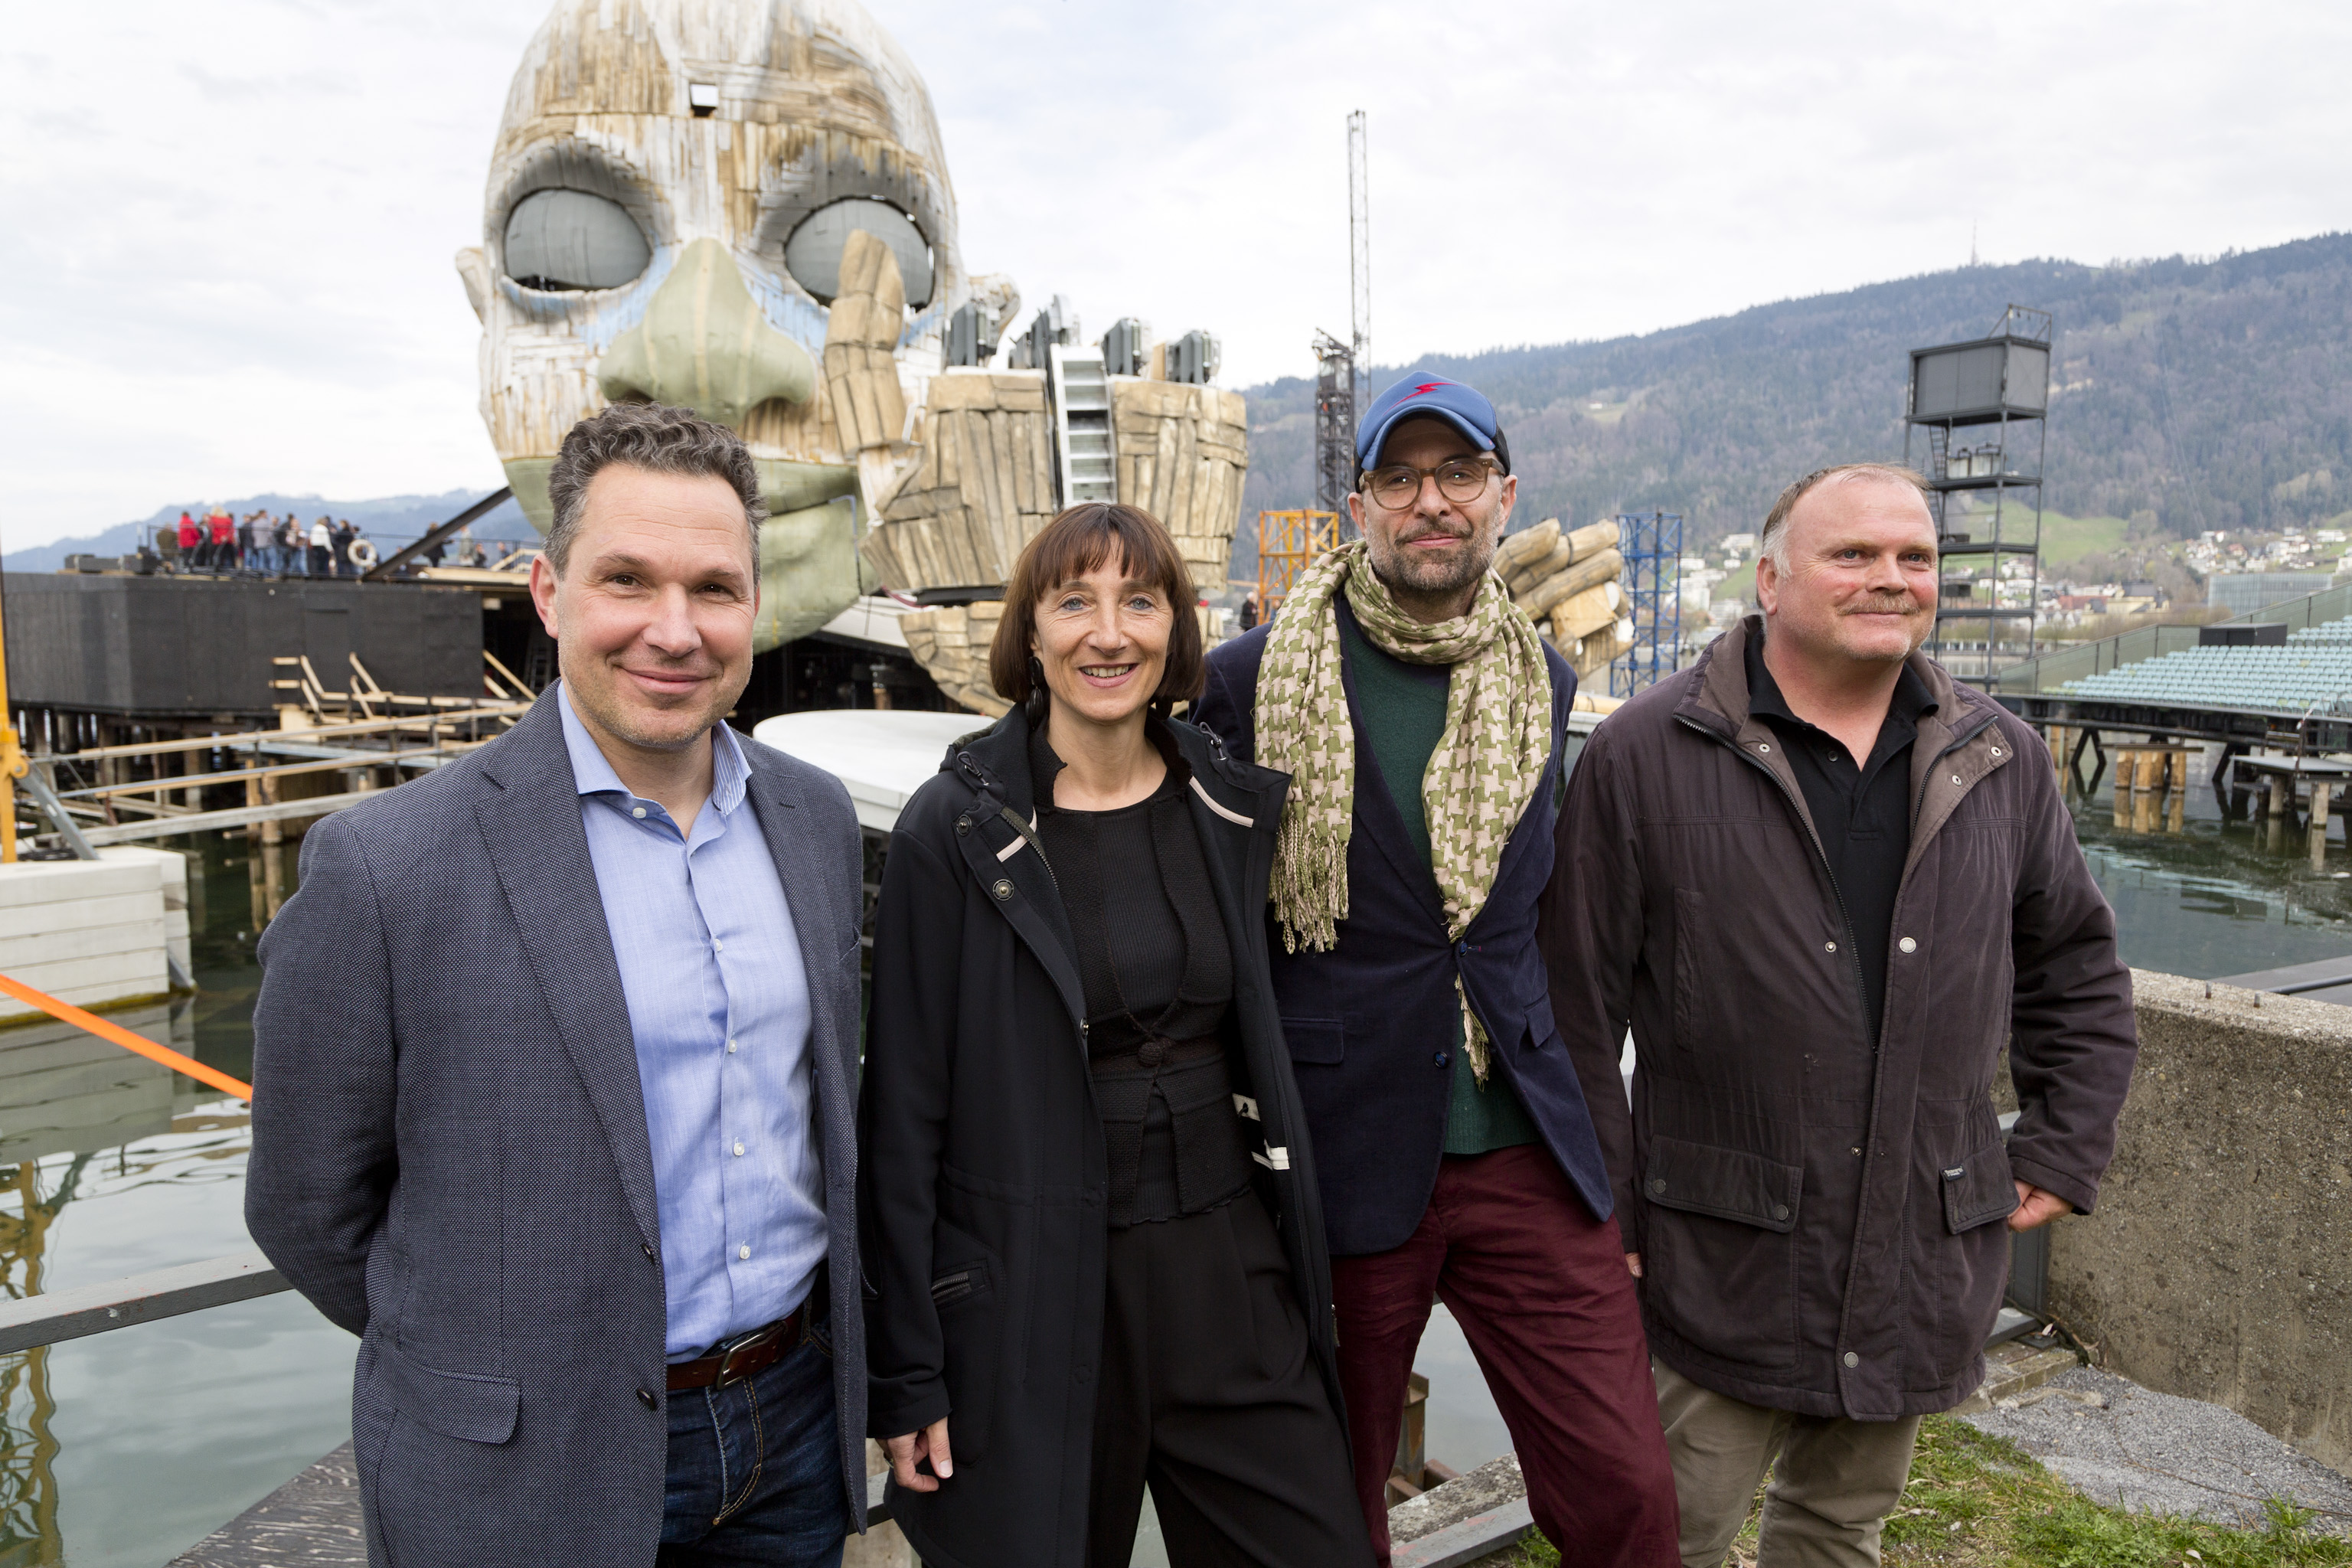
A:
x,y
1956,778
1850,1359
730,1047
717,945
646,1397
1762,748
1441,1058
738,1149
1996,751
744,1251
637,811
1828,947
1908,946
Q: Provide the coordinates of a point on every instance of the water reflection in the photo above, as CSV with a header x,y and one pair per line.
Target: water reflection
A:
x,y
127,1447
2208,880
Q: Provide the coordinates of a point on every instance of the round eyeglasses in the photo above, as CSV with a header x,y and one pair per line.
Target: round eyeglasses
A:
x,y
1459,479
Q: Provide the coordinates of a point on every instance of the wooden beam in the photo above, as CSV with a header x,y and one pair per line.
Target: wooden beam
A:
x,y
140,1299
308,732
239,816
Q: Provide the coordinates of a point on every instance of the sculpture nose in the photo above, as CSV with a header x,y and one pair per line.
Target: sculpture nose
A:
x,y
705,345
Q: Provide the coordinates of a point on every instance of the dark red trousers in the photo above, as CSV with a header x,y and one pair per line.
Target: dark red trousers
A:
x,y
1542,1293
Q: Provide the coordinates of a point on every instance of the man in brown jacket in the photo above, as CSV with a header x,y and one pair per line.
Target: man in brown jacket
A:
x,y
1825,884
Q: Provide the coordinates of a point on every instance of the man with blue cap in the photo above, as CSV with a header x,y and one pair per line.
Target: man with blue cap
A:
x,y
1420,716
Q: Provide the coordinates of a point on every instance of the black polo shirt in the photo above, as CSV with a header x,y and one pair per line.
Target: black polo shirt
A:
x,y
1862,813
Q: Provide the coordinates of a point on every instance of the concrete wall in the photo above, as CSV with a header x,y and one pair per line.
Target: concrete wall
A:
x,y
2218,1265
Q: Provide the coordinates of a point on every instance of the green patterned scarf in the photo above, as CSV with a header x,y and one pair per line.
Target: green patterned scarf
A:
x,y
1486,768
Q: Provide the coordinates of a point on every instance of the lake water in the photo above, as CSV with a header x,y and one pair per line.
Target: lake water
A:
x,y
125,1448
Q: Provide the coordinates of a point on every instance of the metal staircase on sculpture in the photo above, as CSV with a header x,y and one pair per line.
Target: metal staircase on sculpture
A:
x,y
1083,461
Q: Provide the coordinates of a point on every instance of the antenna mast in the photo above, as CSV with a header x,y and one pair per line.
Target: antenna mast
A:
x,y
1359,261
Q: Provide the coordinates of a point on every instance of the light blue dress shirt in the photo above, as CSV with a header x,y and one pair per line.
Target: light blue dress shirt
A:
x,y
718,1004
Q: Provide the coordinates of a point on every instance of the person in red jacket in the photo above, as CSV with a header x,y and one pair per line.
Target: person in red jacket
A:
x,y
189,538
223,528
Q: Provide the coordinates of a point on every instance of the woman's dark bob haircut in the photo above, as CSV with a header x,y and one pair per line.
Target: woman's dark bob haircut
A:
x,y
1078,540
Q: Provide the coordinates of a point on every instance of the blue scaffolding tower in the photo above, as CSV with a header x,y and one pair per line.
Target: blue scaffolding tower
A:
x,y
1652,544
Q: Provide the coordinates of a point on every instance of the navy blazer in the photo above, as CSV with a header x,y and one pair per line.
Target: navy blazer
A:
x,y
1370,1023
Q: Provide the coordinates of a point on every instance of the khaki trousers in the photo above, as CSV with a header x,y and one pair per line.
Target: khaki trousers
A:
x,y
1835,1482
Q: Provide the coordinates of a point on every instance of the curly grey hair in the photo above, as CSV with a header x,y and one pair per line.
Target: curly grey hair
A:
x,y
661,440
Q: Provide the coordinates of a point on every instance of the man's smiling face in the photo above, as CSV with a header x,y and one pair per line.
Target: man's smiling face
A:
x,y
1859,582
653,610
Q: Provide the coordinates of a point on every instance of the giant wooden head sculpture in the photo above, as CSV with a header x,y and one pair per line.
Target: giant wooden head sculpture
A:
x,y
674,186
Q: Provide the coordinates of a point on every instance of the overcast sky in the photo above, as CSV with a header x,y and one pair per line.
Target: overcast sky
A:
x,y
226,265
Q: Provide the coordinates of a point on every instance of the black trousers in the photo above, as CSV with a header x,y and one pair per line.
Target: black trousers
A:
x,y
1208,1392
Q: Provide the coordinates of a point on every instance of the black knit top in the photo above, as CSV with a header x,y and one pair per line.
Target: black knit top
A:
x,y
1158,970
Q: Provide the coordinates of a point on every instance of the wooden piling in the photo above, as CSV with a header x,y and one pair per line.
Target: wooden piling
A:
x,y
2320,793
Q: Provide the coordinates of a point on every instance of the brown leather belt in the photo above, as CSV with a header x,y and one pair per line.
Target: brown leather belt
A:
x,y
754,1352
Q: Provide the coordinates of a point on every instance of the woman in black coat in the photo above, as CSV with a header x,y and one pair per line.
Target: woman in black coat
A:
x,y
1094,1247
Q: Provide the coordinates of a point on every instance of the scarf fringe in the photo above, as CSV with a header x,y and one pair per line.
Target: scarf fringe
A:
x,y
1309,886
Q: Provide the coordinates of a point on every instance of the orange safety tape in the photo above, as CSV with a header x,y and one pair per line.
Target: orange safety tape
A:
x,y
116,1034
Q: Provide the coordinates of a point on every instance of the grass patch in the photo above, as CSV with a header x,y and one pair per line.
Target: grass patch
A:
x,y
1980,1501
2066,540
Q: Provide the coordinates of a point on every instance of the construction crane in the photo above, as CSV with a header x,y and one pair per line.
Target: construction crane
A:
x,y
1359,260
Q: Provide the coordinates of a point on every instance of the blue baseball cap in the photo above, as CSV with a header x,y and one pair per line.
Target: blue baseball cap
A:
x,y
1424,396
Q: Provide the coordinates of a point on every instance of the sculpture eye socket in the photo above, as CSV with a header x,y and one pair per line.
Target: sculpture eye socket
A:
x,y
561,240
813,252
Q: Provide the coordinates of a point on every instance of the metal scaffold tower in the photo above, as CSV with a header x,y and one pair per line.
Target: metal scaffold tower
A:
x,y
1652,544
1975,401
1335,422
1287,544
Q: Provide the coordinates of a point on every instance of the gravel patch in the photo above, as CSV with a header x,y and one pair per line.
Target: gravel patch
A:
x,y
2146,1452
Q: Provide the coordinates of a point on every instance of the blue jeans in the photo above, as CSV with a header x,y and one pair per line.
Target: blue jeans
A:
x,y
755,1471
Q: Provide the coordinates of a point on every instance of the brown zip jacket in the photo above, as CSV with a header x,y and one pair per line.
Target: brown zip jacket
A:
x,y
1820,1223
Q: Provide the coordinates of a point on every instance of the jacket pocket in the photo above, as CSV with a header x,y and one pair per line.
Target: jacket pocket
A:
x,y
967,1298
1978,1190
1322,1042
466,1406
1724,1182
1718,1254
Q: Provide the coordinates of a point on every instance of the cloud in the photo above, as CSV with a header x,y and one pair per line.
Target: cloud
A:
x,y
229,264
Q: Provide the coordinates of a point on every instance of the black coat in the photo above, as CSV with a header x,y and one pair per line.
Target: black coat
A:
x,y
1819,1212
1369,1021
985,1178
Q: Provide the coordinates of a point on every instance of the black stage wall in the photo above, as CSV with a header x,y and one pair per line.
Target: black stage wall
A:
x,y
182,646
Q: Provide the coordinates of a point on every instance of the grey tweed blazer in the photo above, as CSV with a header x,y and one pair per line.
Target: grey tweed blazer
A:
x,y
450,1156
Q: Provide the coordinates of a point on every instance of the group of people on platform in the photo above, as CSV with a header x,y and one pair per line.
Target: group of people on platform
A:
x,y
1229,1009
269,545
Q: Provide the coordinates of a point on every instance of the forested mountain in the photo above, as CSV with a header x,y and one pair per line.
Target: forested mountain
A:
x,y
2187,395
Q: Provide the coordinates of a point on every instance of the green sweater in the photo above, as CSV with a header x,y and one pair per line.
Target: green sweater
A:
x,y
1402,707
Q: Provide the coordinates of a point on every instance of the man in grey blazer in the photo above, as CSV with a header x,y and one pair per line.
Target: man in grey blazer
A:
x,y
555,1074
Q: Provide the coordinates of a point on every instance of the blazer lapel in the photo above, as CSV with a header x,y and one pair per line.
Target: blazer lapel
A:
x,y
530,815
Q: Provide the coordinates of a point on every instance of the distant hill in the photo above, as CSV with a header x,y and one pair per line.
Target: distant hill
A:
x,y
393,520
2189,395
